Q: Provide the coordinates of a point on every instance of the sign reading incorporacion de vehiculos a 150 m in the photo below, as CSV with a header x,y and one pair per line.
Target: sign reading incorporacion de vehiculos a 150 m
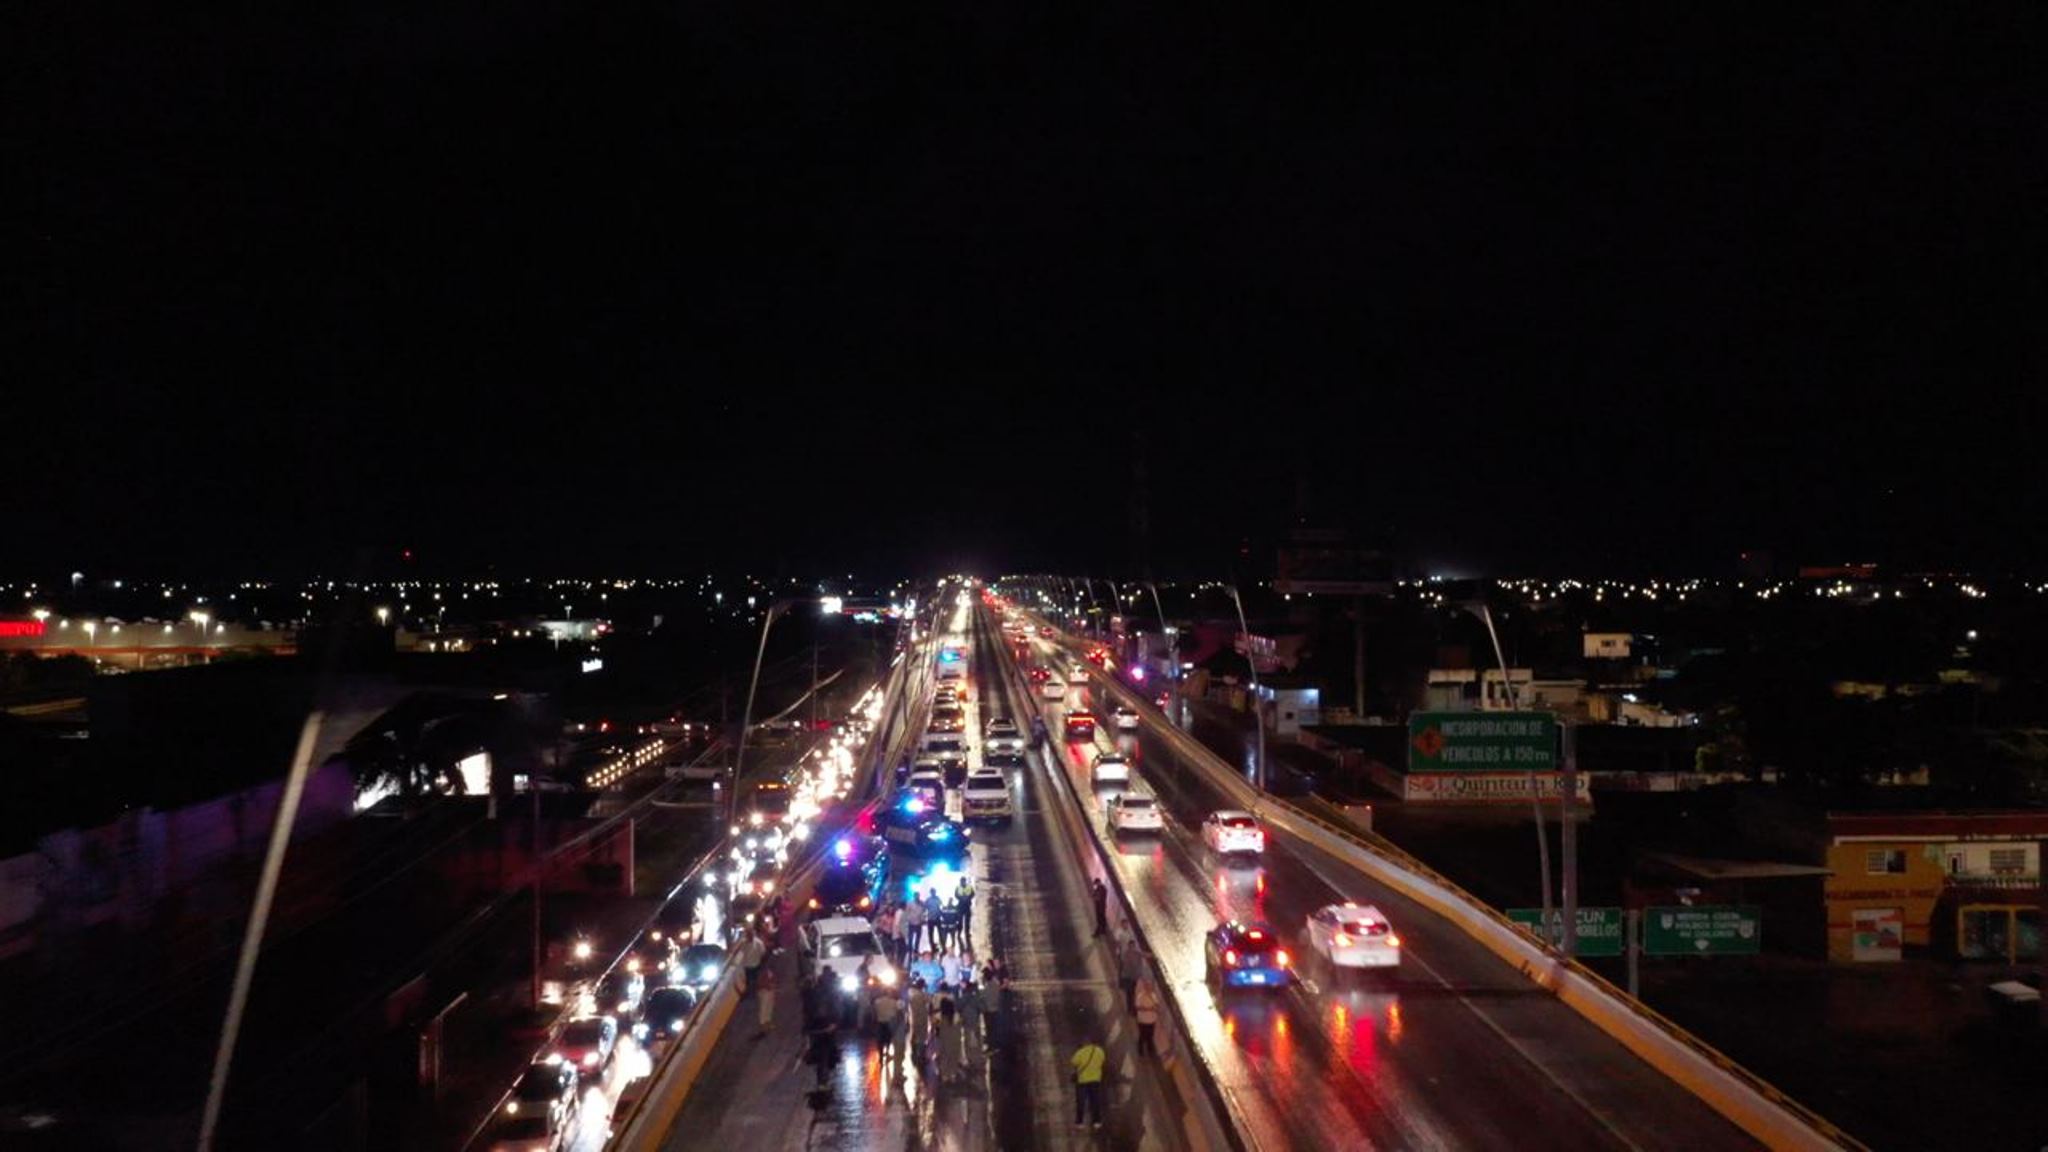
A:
x,y
1483,757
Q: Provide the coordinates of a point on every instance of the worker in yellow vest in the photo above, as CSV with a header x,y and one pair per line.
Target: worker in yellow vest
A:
x,y
1089,1063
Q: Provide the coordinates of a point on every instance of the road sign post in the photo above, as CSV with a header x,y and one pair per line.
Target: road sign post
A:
x,y
1729,930
1634,929
1599,929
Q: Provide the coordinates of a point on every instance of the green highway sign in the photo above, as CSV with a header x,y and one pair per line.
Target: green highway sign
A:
x,y
1482,742
1601,931
1724,931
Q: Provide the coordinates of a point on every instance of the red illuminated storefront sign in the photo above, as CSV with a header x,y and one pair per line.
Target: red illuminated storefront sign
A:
x,y
21,627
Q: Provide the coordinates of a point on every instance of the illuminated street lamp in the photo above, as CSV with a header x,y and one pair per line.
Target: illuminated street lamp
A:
x,y
1258,705
747,714
1568,926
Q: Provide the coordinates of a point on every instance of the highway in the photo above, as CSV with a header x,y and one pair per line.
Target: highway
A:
x,y
1031,911
1456,1051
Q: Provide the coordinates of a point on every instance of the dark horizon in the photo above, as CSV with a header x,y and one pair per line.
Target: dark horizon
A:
x,y
749,288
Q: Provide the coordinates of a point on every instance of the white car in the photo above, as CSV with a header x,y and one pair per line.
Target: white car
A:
x,y
1354,936
839,945
1133,812
1053,689
1001,735
1231,831
1077,675
1124,718
1110,768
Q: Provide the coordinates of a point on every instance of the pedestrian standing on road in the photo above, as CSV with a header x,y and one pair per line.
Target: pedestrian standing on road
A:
x,y
969,1003
1130,962
807,992
928,970
920,1020
1100,896
752,952
888,1012
949,966
949,1040
767,999
913,920
1000,1017
1145,1008
885,927
1089,1063
824,1047
965,899
931,906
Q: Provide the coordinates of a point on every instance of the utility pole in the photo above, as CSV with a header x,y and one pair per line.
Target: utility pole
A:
x,y
1358,658
533,791
1569,937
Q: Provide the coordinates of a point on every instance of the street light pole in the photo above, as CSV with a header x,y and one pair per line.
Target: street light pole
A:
x,y
1258,706
1172,648
732,798
1568,939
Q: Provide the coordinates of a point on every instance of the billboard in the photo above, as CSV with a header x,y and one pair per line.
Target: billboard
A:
x,y
1331,567
1488,787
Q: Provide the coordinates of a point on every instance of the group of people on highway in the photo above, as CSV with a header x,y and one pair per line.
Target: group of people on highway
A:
x,y
938,1021
927,924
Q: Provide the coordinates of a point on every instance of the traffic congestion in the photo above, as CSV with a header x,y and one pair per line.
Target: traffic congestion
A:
x,y
621,1017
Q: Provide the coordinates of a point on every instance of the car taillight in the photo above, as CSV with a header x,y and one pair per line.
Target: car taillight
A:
x,y
864,901
1283,957
814,901
1394,942
1342,941
590,1057
1230,957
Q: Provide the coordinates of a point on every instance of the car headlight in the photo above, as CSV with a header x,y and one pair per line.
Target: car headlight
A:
x,y
709,974
512,1107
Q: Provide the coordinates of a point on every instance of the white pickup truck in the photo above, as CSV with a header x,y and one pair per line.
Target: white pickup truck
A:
x,y
986,796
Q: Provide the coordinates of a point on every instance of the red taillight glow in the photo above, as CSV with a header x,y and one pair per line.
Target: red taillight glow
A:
x,y
1342,941
1283,957
1395,942
1230,957
590,1057
864,901
814,901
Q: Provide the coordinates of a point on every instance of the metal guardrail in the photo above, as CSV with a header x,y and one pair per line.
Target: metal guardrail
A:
x,y
1771,1116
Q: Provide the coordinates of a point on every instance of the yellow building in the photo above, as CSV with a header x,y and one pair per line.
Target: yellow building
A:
x,y
1963,884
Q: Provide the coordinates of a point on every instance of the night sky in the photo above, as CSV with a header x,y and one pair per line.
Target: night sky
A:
x,y
599,288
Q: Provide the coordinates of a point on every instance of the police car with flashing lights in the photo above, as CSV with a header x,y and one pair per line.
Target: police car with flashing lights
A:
x,y
856,870
919,826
